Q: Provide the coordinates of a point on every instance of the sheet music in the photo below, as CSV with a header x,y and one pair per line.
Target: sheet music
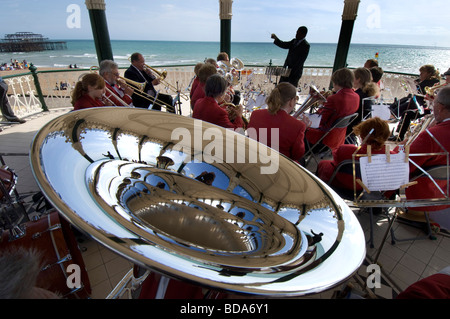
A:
x,y
381,175
382,111
315,119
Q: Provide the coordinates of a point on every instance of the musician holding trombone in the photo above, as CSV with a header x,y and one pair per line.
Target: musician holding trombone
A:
x,y
117,91
138,72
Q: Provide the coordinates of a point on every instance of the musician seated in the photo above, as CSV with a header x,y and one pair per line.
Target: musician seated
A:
x,y
89,92
208,108
428,76
138,72
341,104
376,140
196,79
281,102
413,114
204,73
425,143
119,94
365,87
223,56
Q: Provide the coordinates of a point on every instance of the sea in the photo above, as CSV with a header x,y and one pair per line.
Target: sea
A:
x,y
82,53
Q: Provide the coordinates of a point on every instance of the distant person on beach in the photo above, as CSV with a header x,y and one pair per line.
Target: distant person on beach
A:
x,y
117,92
5,107
89,92
297,54
139,73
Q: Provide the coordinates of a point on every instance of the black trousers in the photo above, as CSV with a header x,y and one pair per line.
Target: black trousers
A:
x,y
5,107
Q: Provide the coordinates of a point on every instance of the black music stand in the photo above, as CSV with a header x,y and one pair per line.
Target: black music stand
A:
x,y
278,72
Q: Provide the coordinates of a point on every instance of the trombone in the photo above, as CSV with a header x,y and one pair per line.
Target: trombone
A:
x,y
139,90
161,76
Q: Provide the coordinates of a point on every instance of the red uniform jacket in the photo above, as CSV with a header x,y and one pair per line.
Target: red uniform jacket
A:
x,y
424,143
198,94
344,102
207,109
194,86
290,135
86,102
126,98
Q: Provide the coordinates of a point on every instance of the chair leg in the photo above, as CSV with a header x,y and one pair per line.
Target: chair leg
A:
x,y
428,231
371,227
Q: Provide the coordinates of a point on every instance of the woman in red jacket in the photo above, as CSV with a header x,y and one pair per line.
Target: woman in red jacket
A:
x,y
376,140
291,131
341,104
88,92
208,108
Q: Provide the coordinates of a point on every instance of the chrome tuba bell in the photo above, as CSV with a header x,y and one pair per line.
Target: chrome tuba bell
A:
x,y
235,217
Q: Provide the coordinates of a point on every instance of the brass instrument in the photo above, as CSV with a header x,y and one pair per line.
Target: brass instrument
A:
x,y
229,70
140,86
313,97
116,96
243,234
137,85
425,122
230,107
161,76
432,90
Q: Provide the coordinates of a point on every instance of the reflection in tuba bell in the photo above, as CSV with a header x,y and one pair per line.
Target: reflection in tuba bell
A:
x,y
243,234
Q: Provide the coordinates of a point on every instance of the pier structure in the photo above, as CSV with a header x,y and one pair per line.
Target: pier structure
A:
x,y
28,42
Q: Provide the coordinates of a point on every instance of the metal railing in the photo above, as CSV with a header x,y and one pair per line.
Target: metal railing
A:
x,y
36,91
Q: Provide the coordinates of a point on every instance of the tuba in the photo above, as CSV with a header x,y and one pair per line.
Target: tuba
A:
x,y
236,231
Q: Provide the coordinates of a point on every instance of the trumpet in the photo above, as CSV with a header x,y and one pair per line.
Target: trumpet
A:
x,y
432,90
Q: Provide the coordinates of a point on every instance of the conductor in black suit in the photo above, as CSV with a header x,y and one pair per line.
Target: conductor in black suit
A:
x,y
138,73
298,52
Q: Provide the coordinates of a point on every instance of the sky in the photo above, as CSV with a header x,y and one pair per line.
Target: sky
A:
x,y
400,22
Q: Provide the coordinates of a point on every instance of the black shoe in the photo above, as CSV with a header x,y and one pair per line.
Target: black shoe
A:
x,y
17,120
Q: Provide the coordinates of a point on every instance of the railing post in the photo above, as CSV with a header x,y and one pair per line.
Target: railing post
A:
x,y
33,69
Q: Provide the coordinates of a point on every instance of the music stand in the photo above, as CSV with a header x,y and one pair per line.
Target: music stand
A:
x,y
400,200
277,71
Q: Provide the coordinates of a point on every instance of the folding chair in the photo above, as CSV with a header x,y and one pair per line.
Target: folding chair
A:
x,y
312,151
440,172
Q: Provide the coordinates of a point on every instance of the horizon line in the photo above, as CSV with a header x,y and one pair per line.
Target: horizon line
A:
x,y
210,41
